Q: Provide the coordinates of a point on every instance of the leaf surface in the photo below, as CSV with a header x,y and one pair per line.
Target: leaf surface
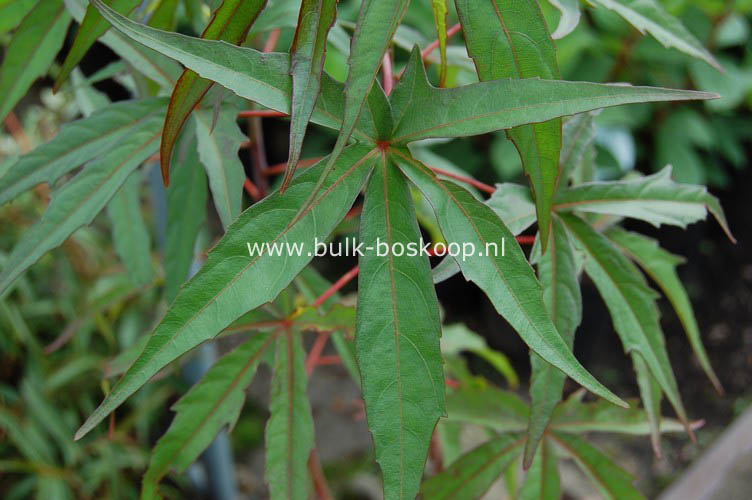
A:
x,y
77,143
289,430
398,331
650,16
230,22
510,39
422,111
32,49
631,303
558,273
308,53
473,473
129,232
260,77
12,13
231,282
661,265
218,151
440,12
612,481
81,199
503,273
542,479
655,199
92,27
213,403
186,213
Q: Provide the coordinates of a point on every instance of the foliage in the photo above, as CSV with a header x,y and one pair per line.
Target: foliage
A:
x,y
410,376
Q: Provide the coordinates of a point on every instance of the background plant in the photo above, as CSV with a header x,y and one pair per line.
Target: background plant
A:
x,y
396,355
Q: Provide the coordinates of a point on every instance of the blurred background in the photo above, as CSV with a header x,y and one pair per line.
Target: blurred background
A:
x,y
64,329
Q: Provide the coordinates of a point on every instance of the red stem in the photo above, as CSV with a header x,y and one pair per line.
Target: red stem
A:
x,y
271,42
336,286
252,190
315,353
388,72
263,113
435,44
467,180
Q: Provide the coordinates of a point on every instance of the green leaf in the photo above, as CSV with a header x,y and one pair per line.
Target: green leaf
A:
x,y
661,265
218,150
488,406
398,331
578,148
651,395
440,19
542,479
149,63
422,111
612,481
263,78
92,27
510,39
570,17
230,22
650,16
457,338
12,13
129,232
631,303
308,53
377,22
514,205
472,474
77,203
558,273
289,430
32,49
213,403
503,272
654,198
186,213
231,282
575,417
165,15
77,143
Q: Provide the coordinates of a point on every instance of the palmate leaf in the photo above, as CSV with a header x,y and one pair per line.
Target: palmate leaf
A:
x,y
502,411
650,16
514,205
510,39
558,273
92,27
186,213
507,280
263,78
397,340
474,472
542,479
661,265
308,53
218,151
77,143
422,111
631,304
230,22
77,203
162,70
130,235
612,481
289,430
231,282
213,403
32,49
655,199
165,15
